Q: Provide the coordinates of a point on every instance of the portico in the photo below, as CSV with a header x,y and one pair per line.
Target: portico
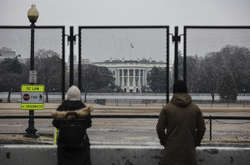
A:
x,y
130,76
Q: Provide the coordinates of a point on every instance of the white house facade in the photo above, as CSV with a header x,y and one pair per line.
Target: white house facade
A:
x,y
130,76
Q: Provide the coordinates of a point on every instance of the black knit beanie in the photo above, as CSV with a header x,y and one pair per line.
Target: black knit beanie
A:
x,y
180,87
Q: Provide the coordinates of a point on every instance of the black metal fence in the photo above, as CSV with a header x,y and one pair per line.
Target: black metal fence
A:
x,y
49,59
209,118
129,53
216,60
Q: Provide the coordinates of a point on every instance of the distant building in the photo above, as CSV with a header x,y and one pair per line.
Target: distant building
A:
x,y
130,75
6,53
85,61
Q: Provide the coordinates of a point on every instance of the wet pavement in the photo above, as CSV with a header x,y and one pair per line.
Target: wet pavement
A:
x,y
123,130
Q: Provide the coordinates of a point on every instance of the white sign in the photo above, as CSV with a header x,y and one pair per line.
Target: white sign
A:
x,y
33,76
32,98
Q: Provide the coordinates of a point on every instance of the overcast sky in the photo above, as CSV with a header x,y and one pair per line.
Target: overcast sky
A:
x,y
127,12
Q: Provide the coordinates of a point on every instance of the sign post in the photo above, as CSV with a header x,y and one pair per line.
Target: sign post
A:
x,y
33,76
33,14
32,99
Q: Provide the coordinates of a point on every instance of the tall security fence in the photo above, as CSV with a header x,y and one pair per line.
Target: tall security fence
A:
x,y
132,61
15,56
123,66
123,59
217,62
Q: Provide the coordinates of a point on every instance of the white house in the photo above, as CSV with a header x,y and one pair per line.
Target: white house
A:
x,y
130,75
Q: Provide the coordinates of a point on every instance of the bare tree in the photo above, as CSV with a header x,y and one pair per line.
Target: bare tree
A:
x,y
48,65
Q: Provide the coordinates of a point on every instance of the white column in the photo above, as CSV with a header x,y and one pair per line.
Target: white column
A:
x,y
134,78
145,77
127,77
122,78
139,77
117,77
142,78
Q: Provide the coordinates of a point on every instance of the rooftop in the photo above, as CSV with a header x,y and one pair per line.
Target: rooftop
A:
x,y
141,61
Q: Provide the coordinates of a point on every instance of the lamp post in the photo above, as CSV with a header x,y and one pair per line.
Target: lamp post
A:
x,y
33,16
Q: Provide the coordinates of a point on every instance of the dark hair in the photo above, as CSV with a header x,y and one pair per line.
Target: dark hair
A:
x,y
180,87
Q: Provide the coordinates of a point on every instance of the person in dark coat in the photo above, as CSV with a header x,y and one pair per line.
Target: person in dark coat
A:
x,y
72,119
180,128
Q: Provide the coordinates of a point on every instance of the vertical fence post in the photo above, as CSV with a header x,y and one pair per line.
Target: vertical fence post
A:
x,y
167,67
176,39
9,95
71,39
185,55
210,127
63,63
79,60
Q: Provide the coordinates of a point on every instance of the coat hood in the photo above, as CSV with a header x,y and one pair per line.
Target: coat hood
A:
x,y
181,99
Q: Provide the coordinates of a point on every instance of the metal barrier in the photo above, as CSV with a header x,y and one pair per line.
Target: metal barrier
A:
x,y
120,154
210,118
207,51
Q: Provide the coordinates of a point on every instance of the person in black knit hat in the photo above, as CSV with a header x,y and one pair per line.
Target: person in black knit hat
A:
x,y
180,128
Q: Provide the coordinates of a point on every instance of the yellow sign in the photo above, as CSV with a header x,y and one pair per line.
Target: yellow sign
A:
x,y
55,136
32,88
32,106
32,97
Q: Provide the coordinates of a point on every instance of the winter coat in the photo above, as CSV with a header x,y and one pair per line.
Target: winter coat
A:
x,y
180,129
73,146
